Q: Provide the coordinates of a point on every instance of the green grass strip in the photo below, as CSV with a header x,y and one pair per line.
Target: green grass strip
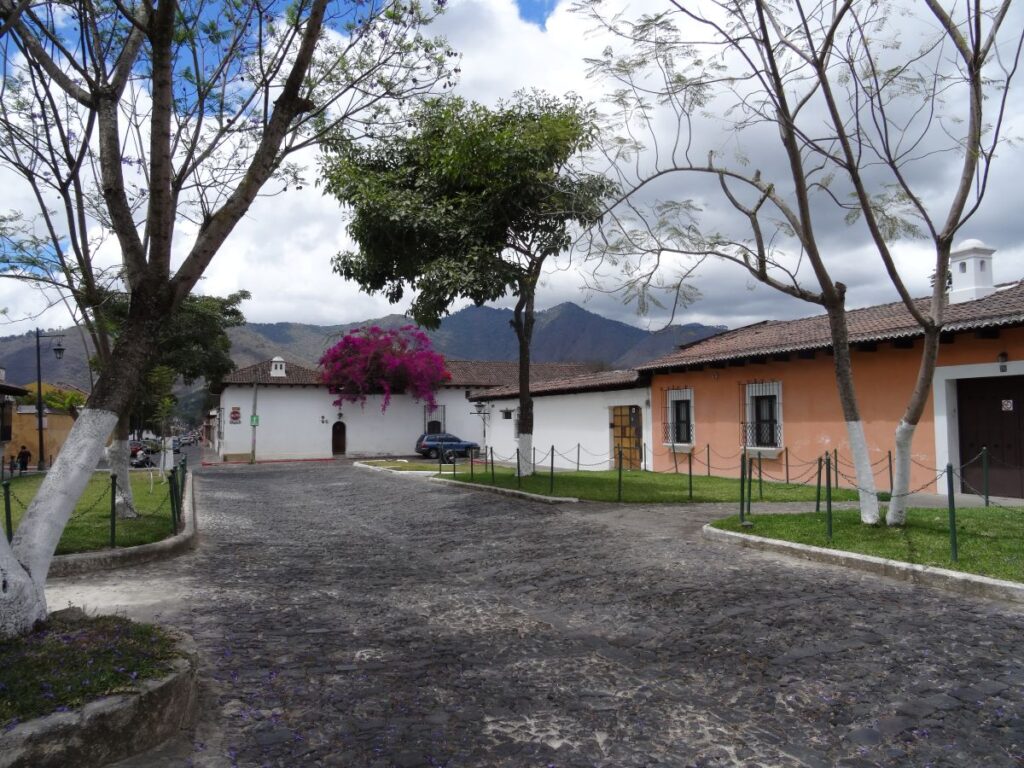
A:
x,y
89,527
990,539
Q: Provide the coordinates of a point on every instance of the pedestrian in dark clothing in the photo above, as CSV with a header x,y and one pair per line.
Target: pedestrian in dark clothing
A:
x,y
24,457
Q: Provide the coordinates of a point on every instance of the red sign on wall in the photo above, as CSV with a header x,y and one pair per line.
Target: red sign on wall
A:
x,y
236,414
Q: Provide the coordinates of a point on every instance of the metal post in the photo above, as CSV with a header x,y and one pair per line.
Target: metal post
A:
x,y
709,459
175,502
786,454
492,467
643,455
817,491
471,463
760,484
455,461
39,404
743,485
113,510
620,474
835,464
750,484
984,473
519,475
890,471
534,465
689,472
552,470
675,460
952,513
440,458
828,497
7,510
577,457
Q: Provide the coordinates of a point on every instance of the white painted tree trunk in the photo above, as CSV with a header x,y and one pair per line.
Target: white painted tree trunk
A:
x,y
25,563
118,455
897,514
864,473
525,455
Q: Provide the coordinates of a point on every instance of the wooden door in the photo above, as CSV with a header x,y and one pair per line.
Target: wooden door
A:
x,y
627,436
991,415
338,438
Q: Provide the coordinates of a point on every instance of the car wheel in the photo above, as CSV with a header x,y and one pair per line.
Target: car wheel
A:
x,y
432,453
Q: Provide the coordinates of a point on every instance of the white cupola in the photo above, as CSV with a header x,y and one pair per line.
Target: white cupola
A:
x,y
277,367
970,267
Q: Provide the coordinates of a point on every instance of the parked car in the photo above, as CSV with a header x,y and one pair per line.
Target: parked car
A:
x,y
445,444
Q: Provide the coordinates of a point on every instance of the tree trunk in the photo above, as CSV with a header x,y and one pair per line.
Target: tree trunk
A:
x,y
851,414
118,455
897,514
522,322
25,562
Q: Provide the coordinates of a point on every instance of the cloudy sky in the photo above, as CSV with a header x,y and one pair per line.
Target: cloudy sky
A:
x,y
281,251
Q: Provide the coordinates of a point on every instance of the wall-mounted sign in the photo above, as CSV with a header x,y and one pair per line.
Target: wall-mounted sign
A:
x,y
1007,405
236,414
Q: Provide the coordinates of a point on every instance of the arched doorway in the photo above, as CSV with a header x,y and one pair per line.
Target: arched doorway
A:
x,y
338,438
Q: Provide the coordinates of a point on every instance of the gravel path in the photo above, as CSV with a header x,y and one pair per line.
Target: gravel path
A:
x,y
353,618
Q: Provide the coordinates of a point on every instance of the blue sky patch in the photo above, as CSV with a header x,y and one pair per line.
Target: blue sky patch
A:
x,y
536,11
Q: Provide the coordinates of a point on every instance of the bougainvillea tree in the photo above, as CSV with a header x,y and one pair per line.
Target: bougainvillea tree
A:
x,y
378,361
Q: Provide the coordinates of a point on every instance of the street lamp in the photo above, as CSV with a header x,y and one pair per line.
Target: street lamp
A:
x,y
58,352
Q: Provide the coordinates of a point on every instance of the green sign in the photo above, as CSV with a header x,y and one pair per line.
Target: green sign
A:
x,y
254,420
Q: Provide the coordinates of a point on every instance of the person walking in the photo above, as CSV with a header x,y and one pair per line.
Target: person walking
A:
x,y
24,457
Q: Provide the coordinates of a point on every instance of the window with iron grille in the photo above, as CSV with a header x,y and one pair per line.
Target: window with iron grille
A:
x,y
677,423
762,425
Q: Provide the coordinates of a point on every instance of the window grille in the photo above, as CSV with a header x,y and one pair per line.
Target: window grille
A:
x,y
677,423
762,415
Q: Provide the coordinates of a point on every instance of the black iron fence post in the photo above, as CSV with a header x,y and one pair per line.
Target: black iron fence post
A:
x,y
750,484
113,510
175,502
689,472
984,472
709,458
817,490
828,497
552,488
675,459
519,474
952,514
471,463
577,457
890,470
493,482
743,485
785,452
7,511
455,459
760,478
835,465
620,474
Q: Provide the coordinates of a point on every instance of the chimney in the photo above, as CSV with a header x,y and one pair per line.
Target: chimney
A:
x,y
970,267
277,367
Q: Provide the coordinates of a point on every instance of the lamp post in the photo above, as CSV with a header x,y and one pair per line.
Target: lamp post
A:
x,y
58,352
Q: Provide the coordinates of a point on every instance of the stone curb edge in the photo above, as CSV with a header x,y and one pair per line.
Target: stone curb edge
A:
x,y
489,488
109,559
107,729
928,575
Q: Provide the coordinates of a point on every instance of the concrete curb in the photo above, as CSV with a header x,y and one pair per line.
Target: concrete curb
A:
x,y
107,729
109,559
473,486
928,575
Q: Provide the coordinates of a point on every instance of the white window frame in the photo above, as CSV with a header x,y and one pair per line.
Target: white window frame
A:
x,y
764,388
672,396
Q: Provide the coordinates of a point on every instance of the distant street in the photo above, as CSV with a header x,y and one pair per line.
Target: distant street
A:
x,y
346,617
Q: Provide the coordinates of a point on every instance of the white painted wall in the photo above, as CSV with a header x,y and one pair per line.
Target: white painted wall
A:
x,y
564,421
296,423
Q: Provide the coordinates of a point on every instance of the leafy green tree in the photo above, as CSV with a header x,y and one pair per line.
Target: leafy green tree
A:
x,y
146,128
470,203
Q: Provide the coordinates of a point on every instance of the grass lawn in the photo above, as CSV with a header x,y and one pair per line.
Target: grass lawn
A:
x,y
89,527
75,659
637,486
990,540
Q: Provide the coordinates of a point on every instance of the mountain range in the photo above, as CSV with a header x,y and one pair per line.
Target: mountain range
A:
x,y
564,333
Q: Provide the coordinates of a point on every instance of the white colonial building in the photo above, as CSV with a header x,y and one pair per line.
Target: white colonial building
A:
x,y
279,410
586,418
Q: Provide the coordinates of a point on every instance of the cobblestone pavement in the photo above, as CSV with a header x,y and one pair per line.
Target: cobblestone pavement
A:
x,y
353,618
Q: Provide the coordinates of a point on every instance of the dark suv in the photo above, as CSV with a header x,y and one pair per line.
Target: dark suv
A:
x,y
445,444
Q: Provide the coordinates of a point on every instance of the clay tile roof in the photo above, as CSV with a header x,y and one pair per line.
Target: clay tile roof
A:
x,y
870,324
259,373
587,382
505,373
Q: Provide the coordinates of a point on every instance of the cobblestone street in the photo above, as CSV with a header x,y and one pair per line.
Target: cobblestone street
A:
x,y
346,617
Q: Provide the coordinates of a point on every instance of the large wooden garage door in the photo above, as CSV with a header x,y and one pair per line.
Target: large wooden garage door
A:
x,y
991,414
627,435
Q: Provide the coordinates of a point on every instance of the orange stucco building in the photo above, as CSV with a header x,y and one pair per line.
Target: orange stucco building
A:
x,y
770,389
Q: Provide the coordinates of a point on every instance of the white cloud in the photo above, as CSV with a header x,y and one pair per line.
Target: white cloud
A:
x,y
281,251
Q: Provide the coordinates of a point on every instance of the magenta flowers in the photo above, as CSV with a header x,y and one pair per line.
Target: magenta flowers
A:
x,y
375,361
